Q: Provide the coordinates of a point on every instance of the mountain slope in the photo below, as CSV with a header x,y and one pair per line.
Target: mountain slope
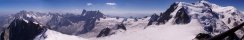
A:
x,y
21,29
185,21
159,32
54,35
213,18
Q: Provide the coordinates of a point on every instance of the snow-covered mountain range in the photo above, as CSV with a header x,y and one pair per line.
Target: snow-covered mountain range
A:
x,y
181,21
213,18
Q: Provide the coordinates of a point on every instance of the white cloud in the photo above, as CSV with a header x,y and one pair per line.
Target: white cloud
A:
x,y
111,4
89,4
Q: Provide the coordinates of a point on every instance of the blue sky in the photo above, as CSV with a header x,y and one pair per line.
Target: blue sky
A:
x,y
113,7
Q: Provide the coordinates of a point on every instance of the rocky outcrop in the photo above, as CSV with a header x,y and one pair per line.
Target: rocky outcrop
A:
x,y
153,18
90,20
121,26
2,36
21,29
135,19
182,17
104,32
203,36
164,17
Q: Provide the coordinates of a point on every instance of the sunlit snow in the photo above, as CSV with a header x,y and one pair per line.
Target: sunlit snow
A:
x,y
54,35
159,32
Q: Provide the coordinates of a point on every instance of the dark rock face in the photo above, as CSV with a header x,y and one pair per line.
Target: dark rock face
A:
x,y
208,25
182,17
135,19
104,32
92,14
90,20
121,26
153,18
235,24
117,17
2,36
229,20
209,22
21,30
209,29
222,16
203,36
233,36
83,12
233,14
164,17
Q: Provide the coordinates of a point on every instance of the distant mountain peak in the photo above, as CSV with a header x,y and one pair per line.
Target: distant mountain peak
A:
x,y
208,14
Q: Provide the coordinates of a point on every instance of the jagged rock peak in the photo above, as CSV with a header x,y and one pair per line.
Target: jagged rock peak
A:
x,y
21,29
90,13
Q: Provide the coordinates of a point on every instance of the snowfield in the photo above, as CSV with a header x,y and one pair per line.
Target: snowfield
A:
x,y
54,35
154,32
159,32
